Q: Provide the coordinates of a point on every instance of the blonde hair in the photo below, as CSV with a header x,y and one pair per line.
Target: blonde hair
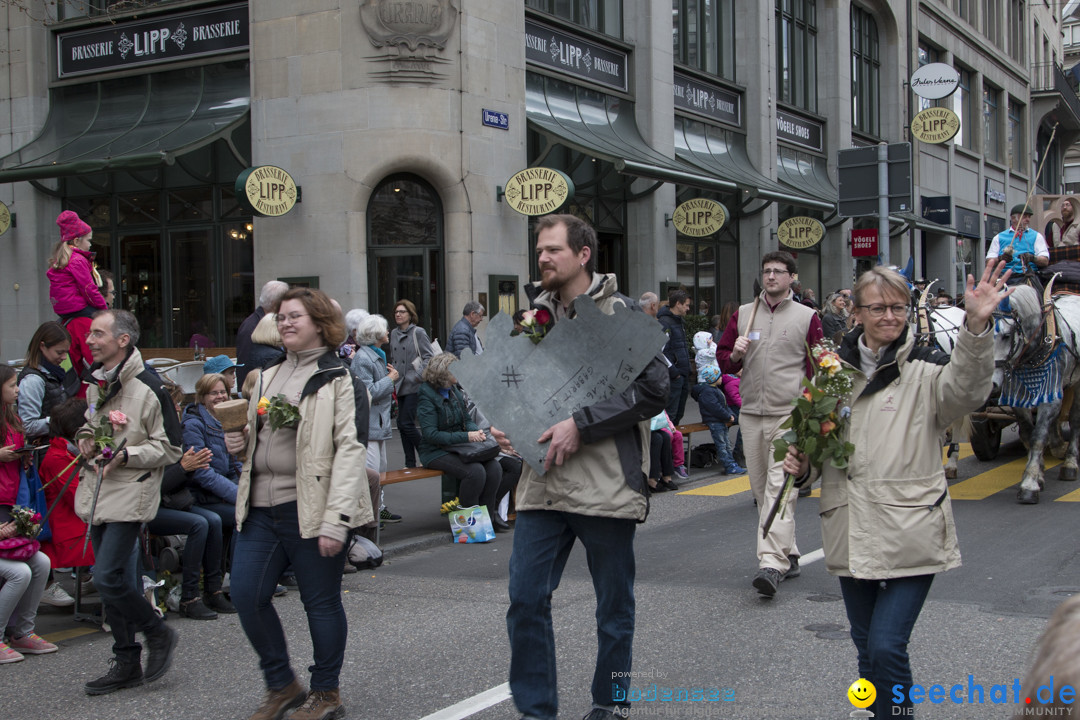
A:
x,y
249,384
60,255
266,332
438,373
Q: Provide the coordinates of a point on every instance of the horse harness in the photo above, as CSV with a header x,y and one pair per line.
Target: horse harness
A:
x,y
1040,345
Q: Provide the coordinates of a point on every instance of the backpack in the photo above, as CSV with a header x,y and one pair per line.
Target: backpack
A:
x,y
704,455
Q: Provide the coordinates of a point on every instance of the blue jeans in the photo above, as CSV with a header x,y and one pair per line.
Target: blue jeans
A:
x,y
882,614
269,541
116,578
202,548
406,423
542,543
226,512
676,405
722,439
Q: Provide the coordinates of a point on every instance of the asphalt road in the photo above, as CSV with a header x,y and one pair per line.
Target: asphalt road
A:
x,y
427,630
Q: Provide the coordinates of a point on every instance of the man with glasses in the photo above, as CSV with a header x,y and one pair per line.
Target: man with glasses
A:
x,y
463,334
766,340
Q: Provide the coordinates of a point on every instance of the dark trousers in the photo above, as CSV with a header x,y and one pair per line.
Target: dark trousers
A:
x,y
116,579
202,549
660,463
406,423
268,543
479,481
676,406
543,540
882,614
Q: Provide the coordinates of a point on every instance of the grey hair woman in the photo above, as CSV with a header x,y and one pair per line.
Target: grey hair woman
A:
x,y
369,364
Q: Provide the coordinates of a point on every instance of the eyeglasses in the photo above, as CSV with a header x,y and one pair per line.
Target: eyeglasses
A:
x,y
218,393
877,310
401,312
291,318
773,271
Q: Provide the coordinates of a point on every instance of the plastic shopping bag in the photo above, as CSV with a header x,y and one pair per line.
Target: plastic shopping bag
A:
x,y
471,524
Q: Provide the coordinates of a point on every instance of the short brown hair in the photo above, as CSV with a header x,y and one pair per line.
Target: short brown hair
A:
x,y
205,385
780,256
323,314
579,234
888,282
414,317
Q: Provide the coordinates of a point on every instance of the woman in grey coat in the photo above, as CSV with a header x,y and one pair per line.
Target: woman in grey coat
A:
x,y
369,364
408,341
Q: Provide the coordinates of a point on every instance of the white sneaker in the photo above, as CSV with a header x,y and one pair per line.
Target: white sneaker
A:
x,y
57,596
88,587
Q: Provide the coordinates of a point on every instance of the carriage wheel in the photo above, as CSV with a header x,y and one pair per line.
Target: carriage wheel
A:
x,y
985,439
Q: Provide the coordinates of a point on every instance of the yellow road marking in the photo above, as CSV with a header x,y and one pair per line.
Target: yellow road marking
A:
x,y
965,452
986,484
725,488
69,634
1074,496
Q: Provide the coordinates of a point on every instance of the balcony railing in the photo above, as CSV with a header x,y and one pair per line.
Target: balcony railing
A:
x,y
1049,77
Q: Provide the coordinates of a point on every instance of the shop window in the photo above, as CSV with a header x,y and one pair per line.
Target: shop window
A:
x,y
405,238
1016,136
963,107
991,122
603,16
865,73
708,268
703,35
796,52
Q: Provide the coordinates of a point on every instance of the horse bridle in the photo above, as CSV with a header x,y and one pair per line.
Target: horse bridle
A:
x,y
1027,355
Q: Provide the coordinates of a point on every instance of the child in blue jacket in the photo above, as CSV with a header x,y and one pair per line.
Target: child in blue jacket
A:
x,y
717,415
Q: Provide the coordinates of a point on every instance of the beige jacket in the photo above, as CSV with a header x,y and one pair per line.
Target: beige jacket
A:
x,y
775,363
331,479
888,514
154,437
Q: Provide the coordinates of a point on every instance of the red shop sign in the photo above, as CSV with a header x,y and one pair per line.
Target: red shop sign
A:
x,y
863,243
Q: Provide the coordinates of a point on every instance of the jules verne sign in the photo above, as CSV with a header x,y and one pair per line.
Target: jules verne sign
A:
x,y
165,38
935,81
798,130
708,100
576,56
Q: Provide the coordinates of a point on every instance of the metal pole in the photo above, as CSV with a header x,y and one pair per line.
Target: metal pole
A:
x,y
883,202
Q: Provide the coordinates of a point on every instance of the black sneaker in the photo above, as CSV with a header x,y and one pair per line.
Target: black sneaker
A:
x,y
195,610
121,675
386,516
161,646
766,581
793,571
620,711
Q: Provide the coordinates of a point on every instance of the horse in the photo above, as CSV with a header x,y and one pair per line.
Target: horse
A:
x,y
938,327
1035,362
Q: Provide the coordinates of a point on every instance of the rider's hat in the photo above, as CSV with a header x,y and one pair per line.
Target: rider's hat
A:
x,y
1021,210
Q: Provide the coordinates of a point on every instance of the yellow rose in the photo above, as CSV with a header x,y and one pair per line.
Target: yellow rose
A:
x,y
830,363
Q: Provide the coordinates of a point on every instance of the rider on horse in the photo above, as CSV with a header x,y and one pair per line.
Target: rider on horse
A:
x,y
1024,250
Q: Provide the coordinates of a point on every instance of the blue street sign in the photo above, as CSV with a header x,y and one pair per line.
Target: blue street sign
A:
x,y
496,119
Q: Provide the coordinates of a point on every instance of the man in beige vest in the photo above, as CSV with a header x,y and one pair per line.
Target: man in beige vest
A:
x,y
767,341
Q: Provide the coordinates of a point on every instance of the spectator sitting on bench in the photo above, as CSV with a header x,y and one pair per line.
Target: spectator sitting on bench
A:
x,y
65,549
444,420
717,415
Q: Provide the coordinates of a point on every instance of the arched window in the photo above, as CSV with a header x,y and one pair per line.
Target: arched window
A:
x,y
405,246
865,73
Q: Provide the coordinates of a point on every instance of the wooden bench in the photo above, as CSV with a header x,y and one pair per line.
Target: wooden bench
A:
x,y
390,477
687,430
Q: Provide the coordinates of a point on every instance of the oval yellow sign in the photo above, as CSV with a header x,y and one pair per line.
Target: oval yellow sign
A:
x,y
538,191
799,233
268,190
5,218
935,125
699,217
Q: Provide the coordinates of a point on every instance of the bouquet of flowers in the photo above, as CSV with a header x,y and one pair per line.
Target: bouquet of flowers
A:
x,y
535,324
279,412
27,521
818,420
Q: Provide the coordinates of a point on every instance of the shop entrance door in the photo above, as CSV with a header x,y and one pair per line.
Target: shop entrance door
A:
x,y
408,274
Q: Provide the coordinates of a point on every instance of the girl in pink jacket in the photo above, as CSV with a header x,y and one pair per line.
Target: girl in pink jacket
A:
x,y
74,286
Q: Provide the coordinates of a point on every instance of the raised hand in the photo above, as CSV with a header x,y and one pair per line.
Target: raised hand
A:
x,y
982,299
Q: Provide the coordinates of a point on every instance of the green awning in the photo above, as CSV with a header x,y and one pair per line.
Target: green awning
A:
x,y
723,153
603,126
133,122
911,220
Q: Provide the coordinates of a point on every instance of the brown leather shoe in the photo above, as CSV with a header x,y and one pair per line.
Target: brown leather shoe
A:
x,y
279,702
320,705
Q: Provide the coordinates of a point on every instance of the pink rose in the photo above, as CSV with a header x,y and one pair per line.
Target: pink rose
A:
x,y
117,418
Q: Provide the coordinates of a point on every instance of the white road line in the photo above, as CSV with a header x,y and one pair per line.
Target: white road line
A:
x,y
473,705
813,557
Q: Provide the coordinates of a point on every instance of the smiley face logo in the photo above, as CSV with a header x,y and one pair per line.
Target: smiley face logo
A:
x,y
862,693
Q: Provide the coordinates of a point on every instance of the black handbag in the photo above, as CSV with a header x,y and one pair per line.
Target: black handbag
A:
x,y
476,451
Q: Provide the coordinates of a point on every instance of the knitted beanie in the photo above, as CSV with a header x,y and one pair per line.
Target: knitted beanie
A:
x,y
71,227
